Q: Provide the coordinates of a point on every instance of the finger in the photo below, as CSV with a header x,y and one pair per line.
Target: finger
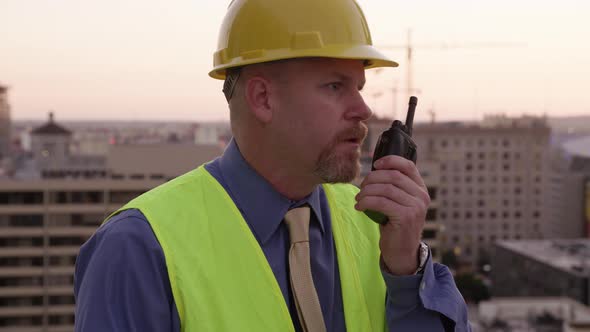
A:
x,y
399,180
401,164
381,204
388,191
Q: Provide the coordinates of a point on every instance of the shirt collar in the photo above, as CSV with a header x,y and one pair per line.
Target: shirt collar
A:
x,y
261,205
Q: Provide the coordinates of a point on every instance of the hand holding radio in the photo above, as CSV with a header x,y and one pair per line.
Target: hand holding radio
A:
x,y
394,195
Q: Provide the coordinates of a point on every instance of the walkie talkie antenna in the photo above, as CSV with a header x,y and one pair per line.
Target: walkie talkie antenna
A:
x,y
410,116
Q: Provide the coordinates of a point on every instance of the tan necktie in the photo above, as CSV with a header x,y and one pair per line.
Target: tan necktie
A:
x,y
306,298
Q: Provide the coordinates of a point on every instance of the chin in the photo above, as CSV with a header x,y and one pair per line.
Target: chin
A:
x,y
339,170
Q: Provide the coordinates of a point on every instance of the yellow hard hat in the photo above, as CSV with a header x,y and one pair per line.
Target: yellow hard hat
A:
x,y
256,31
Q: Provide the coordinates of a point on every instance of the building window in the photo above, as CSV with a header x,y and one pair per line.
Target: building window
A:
x,y
431,215
432,193
21,198
429,234
22,220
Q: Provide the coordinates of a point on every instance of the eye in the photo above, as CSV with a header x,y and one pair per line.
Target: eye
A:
x,y
335,86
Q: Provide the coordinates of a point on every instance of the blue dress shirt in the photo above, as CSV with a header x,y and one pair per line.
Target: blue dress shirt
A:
x,y
121,281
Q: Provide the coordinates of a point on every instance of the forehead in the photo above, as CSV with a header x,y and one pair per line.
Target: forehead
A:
x,y
322,67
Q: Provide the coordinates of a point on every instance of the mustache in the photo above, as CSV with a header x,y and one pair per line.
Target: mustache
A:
x,y
357,133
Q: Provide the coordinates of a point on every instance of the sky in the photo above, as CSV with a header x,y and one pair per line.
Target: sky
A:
x,y
149,59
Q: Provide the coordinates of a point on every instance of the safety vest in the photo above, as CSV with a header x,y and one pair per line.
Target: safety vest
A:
x,y
220,278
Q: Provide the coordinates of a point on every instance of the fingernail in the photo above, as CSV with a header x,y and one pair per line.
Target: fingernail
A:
x,y
378,163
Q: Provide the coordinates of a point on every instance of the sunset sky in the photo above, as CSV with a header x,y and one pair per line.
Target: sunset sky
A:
x,y
149,59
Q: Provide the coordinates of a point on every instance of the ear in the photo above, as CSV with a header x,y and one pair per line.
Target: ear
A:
x,y
258,95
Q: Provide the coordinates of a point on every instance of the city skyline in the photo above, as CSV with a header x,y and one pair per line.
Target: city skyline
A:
x,y
149,60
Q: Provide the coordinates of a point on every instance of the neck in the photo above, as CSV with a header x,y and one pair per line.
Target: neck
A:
x,y
286,179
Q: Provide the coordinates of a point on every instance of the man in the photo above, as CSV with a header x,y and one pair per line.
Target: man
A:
x,y
265,238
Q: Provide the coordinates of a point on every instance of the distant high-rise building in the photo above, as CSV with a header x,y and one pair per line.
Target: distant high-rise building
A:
x,y
567,199
490,182
4,123
44,219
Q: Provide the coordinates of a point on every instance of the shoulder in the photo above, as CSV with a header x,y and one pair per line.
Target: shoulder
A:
x,y
119,240
128,224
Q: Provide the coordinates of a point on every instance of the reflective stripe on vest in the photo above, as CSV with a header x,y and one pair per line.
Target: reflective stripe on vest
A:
x,y
220,278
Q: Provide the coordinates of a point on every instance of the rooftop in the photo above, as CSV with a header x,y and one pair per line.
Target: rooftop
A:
x,y
51,128
571,255
578,147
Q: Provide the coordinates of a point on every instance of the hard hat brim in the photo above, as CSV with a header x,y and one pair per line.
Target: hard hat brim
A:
x,y
368,53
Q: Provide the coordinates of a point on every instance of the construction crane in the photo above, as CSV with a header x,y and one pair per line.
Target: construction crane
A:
x,y
410,47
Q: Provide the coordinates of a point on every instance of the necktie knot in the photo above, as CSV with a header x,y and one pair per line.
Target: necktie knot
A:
x,y
297,220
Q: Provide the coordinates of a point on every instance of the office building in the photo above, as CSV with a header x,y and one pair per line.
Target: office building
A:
x,y
539,314
538,268
44,218
492,176
568,193
4,123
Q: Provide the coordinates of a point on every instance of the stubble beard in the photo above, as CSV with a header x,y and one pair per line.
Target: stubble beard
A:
x,y
335,166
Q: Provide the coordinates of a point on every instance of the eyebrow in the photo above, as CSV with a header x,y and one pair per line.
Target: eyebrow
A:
x,y
347,78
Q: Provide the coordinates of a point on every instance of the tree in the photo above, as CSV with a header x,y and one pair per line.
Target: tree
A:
x,y
472,287
450,259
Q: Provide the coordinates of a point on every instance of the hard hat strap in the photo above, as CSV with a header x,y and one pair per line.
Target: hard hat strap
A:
x,y
231,79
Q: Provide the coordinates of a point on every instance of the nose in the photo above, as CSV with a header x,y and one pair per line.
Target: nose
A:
x,y
357,108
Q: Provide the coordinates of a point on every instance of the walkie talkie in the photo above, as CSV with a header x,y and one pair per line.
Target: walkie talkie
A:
x,y
396,140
